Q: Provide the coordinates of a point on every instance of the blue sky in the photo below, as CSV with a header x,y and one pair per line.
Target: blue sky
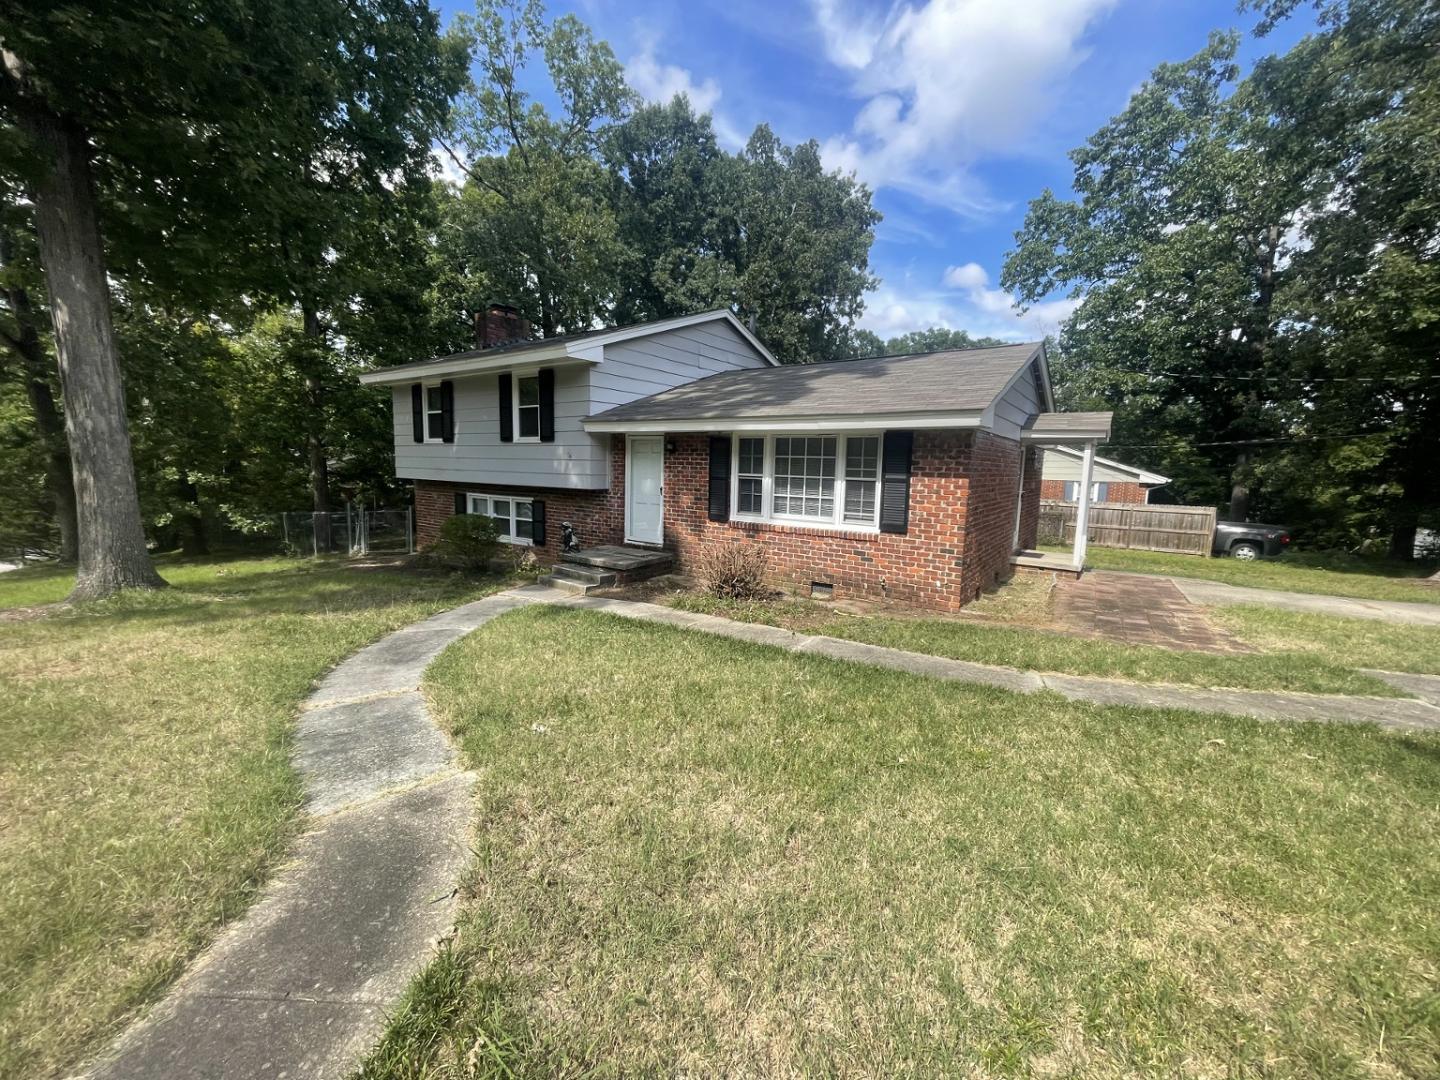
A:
x,y
955,112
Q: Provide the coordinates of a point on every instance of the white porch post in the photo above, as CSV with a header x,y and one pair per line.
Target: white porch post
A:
x,y
1019,500
1082,506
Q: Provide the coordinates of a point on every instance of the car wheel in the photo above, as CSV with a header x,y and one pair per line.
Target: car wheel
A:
x,y
1245,550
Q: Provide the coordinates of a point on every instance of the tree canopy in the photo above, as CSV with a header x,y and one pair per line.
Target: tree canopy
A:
x,y
1256,258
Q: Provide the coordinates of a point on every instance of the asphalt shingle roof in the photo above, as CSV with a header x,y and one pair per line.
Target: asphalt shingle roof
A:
x,y
957,380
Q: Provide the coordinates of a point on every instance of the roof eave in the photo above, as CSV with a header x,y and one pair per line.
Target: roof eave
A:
x,y
472,365
967,418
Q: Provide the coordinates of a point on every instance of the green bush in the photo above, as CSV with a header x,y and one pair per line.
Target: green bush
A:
x,y
467,542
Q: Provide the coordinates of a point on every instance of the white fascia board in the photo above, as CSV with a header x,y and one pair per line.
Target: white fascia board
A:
x,y
473,365
1045,386
854,422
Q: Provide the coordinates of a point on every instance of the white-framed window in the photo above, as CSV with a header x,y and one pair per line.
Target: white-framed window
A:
x,y
750,471
434,413
821,480
512,516
527,408
1099,491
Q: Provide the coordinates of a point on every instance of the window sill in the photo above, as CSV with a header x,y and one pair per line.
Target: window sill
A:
x,y
517,541
853,532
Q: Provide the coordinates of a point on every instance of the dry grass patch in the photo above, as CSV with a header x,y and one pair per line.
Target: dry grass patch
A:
x,y
699,856
145,782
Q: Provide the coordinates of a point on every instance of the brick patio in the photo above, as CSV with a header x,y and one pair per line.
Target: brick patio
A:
x,y
1138,611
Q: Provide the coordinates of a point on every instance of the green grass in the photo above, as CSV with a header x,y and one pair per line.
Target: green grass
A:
x,y
1363,643
145,781
697,856
1330,573
1042,650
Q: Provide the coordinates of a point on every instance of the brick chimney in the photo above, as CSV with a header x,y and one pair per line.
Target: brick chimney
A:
x,y
500,324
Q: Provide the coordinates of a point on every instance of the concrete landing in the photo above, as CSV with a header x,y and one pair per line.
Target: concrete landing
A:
x,y
301,986
621,560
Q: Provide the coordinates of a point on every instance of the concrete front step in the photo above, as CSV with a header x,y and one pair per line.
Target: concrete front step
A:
x,y
584,575
629,563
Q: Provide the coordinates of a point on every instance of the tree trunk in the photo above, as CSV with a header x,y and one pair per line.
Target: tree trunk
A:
x,y
1402,541
48,422
315,435
193,538
1239,491
112,551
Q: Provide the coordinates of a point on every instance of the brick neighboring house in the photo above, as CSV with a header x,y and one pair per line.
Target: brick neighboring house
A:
x,y
912,478
1112,482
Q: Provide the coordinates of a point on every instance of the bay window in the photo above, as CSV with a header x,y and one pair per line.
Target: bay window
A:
x,y
512,517
808,479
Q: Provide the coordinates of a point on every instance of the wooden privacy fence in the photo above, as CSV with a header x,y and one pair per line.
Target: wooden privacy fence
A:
x,y
1185,530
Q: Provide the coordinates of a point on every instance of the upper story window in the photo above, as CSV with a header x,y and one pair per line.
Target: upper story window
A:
x,y
527,407
434,413
813,479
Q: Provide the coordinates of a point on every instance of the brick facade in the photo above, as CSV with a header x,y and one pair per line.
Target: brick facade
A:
x,y
1030,505
598,516
963,491
954,548
1116,491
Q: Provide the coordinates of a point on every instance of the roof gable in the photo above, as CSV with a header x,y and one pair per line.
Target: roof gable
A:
x,y
586,345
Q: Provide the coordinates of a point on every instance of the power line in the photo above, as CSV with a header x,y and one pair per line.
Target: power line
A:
x,y
1246,442
1285,378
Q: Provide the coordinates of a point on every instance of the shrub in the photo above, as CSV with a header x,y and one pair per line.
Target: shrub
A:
x,y
735,572
467,542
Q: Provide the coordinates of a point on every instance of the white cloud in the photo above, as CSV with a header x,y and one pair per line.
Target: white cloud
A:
x,y
970,276
947,82
967,303
659,82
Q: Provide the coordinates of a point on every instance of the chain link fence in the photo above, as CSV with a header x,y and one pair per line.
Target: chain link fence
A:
x,y
352,531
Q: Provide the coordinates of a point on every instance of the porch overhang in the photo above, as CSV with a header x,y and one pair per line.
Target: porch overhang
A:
x,y
1062,428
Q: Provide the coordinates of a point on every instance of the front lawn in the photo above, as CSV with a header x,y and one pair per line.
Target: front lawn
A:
x,y
145,782
1045,650
1330,573
1361,643
698,856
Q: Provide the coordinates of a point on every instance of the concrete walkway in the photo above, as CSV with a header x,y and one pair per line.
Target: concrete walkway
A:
x,y
1394,713
1217,592
300,986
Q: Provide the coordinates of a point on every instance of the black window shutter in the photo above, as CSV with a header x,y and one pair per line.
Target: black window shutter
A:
x,y
460,502
547,404
895,481
447,411
537,522
507,414
720,478
417,410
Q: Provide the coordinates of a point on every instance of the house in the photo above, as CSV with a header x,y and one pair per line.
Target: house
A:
x,y
912,478
1113,482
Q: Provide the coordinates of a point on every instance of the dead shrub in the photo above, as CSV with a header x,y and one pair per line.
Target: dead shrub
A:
x,y
735,572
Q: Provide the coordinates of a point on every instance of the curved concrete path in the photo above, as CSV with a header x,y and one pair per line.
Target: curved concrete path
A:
x,y
300,986
1395,713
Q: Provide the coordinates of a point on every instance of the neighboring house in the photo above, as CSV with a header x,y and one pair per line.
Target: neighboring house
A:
x,y
1112,482
894,477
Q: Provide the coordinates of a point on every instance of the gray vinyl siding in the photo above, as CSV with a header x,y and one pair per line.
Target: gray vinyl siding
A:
x,y
644,366
477,456
576,459
1018,404
1065,467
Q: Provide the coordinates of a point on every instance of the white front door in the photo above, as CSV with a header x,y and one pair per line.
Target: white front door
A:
x,y
644,489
